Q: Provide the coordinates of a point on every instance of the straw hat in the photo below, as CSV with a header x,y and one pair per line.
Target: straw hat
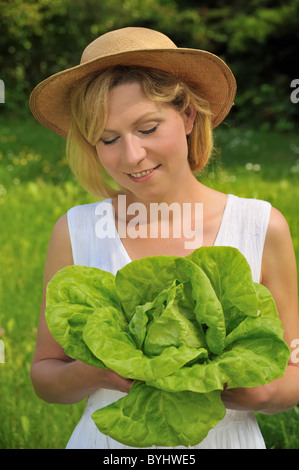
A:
x,y
50,100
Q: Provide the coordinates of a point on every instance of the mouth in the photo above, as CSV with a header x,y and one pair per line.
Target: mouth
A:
x,y
142,174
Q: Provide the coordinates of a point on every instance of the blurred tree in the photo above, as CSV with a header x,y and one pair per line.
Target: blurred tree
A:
x,y
262,46
258,38
42,37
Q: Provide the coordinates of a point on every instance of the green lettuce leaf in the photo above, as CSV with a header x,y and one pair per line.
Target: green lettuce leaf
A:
x,y
181,328
231,278
107,337
142,280
73,295
168,419
255,354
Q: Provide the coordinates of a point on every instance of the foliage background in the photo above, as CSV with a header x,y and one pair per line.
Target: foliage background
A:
x,y
258,38
257,156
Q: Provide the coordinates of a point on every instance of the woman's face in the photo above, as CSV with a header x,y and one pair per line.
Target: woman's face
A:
x,y
144,146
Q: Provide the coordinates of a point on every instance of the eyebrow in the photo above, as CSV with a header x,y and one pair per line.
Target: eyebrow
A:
x,y
145,116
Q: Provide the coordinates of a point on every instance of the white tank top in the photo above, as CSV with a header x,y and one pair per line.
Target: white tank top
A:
x,y
244,225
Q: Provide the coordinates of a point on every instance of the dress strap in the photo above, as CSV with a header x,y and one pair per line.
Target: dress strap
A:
x,y
244,226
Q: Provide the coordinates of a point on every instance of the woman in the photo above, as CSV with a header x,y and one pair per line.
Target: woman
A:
x,y
138,115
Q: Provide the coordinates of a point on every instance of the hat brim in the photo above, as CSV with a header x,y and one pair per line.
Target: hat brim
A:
x,y
50,99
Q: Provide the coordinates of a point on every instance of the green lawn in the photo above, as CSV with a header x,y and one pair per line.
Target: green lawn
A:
x,y
36,187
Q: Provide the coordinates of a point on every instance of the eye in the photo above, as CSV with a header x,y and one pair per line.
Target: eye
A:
x,y
150,131
109,142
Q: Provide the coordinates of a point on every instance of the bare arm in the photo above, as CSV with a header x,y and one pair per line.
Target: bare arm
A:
x,y
56,377
279,275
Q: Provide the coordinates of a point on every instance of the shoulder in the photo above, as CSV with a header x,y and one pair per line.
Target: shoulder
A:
x,y
278,256
278,235
60,236
59,252
60,229
278,226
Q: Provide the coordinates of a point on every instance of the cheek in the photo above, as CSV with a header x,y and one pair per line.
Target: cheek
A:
x,y
175,142
105,157
108,160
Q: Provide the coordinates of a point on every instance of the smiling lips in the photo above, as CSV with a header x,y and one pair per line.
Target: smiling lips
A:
x,y
142,175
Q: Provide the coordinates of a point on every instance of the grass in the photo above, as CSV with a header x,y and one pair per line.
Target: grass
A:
x,y
36,188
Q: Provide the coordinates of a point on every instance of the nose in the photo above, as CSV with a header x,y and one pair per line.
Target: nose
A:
x,y
133,150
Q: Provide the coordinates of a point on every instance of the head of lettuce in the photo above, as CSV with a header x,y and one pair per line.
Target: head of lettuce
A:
x,y
181,328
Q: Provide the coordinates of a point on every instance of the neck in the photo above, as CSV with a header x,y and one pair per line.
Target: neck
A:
x,y
127,207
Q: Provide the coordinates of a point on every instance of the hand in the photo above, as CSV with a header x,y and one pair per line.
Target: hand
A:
x,y
114,381
102,378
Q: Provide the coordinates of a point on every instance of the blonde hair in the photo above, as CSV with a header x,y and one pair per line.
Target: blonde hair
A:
x,y
89,110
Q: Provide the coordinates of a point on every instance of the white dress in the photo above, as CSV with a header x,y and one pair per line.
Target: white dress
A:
x,y
243,226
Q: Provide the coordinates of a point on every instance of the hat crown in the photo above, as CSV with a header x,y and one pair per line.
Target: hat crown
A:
x,y
126,40
139,47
